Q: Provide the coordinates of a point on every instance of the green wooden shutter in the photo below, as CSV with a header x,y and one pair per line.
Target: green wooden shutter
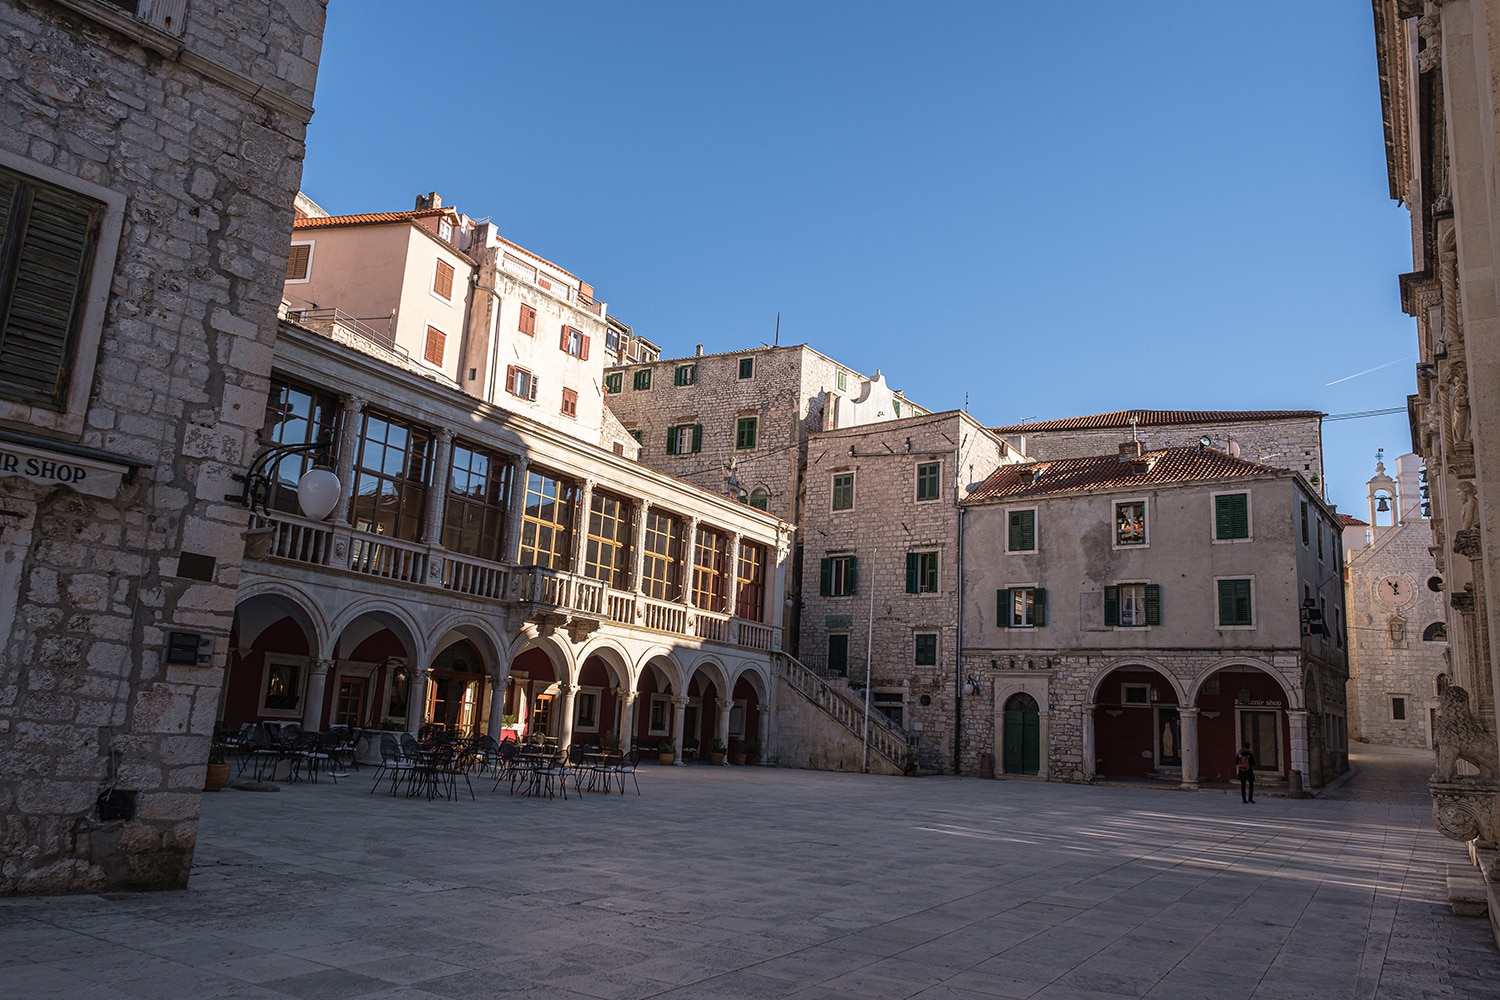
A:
x,y
47,239
1022,530
825,585
851,575
1234,602
1232,516
1002,608
671,440
1226,602
1111,605
1039,607
911,573
1153,604
697,438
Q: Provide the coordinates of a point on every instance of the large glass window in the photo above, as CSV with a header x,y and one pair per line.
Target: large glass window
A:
x,y
607,555
295,414
663,553
708,570
547,520
478,498
752,582
391,472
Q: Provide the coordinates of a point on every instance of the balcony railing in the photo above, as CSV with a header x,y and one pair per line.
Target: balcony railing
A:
x,y
295,539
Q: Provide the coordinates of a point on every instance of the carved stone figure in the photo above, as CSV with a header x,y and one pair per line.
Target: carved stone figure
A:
x,y
1460,736
1468,505
1460,396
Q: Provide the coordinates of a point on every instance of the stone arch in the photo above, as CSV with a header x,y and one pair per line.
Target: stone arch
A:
x,y
298,605
279,637
1293,692
1146,662
1436,632
615,657
390,615
1135,726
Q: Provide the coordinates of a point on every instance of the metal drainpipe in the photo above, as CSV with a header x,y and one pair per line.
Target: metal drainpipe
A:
x,y
958,653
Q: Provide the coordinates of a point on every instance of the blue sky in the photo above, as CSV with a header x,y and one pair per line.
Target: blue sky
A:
x,y
1045,209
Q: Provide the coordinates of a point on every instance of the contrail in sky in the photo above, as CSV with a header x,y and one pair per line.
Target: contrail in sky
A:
x,y
1367,371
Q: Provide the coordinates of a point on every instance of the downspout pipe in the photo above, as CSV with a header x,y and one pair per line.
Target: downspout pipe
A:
x,y
958,651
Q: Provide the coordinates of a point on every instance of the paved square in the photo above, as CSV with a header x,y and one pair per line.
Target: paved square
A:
x,y
750,883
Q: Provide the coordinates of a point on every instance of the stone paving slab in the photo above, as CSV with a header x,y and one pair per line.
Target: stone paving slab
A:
x,y
768,883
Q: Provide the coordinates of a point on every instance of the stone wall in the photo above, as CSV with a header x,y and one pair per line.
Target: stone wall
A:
x,y
1389,658
193,140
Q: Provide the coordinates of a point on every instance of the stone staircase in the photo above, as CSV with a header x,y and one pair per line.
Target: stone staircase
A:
x,y
834,699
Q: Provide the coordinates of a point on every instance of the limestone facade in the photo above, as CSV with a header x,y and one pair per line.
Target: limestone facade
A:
x,y
1398,634
1139,615
164,143
882,565
542,584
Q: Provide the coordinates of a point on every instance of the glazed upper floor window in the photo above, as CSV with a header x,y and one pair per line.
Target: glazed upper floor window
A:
x,y
1130,523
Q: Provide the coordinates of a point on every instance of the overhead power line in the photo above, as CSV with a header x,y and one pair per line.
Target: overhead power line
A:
x,y
1365,413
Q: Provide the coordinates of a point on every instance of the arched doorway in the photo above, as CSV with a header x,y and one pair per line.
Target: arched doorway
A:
x,y
1137,725
1023,736
1242,703
455,688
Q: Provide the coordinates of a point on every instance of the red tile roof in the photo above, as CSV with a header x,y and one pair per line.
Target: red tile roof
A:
x,y
1349,521
1108,472
365,219
1159,418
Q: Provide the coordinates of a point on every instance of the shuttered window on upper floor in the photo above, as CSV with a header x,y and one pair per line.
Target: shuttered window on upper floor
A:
x,y
48,237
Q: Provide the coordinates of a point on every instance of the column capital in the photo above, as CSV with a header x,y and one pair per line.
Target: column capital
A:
x,y
445,435
355,404
679,701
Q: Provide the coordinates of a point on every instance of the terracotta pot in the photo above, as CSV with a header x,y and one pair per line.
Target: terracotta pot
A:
x,y
716,759
665,758
738,760
216,777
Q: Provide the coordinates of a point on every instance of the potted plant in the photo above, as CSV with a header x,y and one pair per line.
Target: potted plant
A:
x,y
610,740
716,752
752,753
909,762
737,753
217,775
666,752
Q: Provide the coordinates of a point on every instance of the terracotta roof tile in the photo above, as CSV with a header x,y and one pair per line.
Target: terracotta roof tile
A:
x,y
1349,521
1109,472
1158,418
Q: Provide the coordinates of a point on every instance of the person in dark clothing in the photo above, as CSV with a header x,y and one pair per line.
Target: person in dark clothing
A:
x,y
1244,769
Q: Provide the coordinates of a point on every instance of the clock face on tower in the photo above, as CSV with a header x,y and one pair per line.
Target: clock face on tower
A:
x,y
1394,590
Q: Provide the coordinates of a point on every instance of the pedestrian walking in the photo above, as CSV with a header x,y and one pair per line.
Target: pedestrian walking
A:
x,y
1244,769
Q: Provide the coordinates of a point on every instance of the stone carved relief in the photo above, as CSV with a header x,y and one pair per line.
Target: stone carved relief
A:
x,y
1468,505
1461,736
1458,395
1396,628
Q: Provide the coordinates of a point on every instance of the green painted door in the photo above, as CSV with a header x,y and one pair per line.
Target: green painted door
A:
x,y
1023,736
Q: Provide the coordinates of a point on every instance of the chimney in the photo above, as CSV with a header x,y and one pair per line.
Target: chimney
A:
x,y
1130,451
700,350
429,200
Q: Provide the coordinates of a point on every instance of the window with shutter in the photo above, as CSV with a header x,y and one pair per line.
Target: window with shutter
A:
x,y
1021,607
747,367
1002,608
921,572
837,576
48,238
843,491
1234,603
642,379
614,383
432,353
575,343
528,320
1111,605
744,433
1021,534
1136,605
928,476
1231,516
299,262
569,403
442,279
924,649
685,375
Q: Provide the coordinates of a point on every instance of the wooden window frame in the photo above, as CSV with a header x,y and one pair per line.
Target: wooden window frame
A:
x,y
685,375
477,508
929,481
434,347
747,368
527,322
641,380
923,572
750,573
661,555
838,575
1124,529
745,431
299,262
443,274
1235,589
1021,607
614,383
1233,518
841,494
547,520
574,343
1020,529
607,545
710,554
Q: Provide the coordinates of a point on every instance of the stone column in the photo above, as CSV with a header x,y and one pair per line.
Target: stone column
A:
x,y
1087,729
1189,726
494,706
416,699
437,490
581,528
721,728
689,557
354,407
312,698
679,711
518,472
627,720
1297,723
732,575
565,707
638,552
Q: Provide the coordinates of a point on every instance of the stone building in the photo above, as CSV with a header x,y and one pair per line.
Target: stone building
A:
x,y
1439,72
738,423
881,572
150,151
1286,439
1137,615
1398,636
485,571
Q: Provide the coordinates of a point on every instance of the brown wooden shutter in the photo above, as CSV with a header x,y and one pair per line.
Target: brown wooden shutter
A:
x,y
583,355
47,240
297,261
564,343
510,379
442,281
528,320
433,353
